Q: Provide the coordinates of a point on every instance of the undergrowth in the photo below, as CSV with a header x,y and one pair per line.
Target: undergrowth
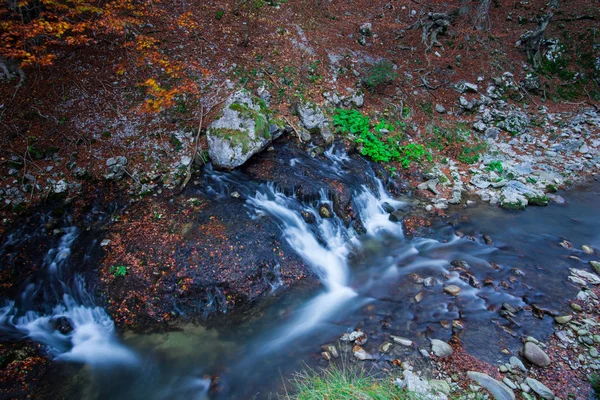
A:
x,y
382,143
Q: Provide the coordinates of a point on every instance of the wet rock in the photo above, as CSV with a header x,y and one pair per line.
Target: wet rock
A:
x,y
587,276
325,211
497,389
566,244
596,266
587,249
487,240
63,325
401,340
419,297
358,337
509,383
361,354
535,355
309,217
452,290
331,349
326,356
540,389
460,264
429,281
440,348
385,347
235,195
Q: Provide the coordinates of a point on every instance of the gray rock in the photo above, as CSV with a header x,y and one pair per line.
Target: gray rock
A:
x,y
509,383
540,389
586,276
439,386
531,83
440,109
516,363
497,389
492,133
535,355
516,122
239,133
361,354
440,348
403,341
480,181
420,387
60,187
480,126
516,195
312,118
596,266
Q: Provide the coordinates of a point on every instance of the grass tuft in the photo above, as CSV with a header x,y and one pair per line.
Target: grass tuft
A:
x,y
343,382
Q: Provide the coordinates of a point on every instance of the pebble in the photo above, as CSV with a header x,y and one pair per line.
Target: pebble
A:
x,y
563,319
452,290
594,352
576,307
509,383
587,249
503,369
401,340
540,389
516,363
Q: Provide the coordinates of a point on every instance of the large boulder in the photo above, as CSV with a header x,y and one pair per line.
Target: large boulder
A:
x,y
497,389
241,131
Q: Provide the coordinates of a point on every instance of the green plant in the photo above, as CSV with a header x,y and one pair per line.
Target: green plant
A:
x,y
494,166
351,121
219,15
118,270
379,74
343,383
413,152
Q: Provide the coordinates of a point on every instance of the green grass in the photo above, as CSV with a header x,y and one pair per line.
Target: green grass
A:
x,y
343,382
595,382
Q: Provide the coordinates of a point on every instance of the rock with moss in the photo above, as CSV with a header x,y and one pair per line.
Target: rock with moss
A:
x,y
516,122
241,131
516,196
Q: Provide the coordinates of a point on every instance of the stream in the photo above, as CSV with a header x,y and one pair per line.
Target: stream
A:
x,y
369,273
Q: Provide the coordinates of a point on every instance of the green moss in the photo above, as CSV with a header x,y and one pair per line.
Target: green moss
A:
x,y
512,206
551,188
537,200
235,136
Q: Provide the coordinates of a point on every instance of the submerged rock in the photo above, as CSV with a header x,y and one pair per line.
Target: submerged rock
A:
x,y
240,132
452,290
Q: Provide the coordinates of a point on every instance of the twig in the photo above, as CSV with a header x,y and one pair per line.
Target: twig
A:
x,y
293,128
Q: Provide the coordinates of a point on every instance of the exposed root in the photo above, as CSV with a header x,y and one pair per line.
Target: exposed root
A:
x,y
531,41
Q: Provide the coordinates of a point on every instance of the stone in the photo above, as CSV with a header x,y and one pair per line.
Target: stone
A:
x,y
594,352
440,109
587,276
419,296
326,356
361,354
60,187
401,340
492,133
535,355
452,290
331,349
440,348
439,386
497,389
385,347
540,389
509,383
63,324
325,211
503,369
596,266
516,363
240,132
420,387
563,319
587,249
185,161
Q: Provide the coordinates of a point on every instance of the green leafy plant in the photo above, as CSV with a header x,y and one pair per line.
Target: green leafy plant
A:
x,y
594,380
351,121
382,73
219,15
118,270
494,166
413,152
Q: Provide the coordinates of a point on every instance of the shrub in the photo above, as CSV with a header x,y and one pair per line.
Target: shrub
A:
x,y
118,270
379,74
351,121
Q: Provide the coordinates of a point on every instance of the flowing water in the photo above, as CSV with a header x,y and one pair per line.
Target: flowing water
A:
x,y
369,278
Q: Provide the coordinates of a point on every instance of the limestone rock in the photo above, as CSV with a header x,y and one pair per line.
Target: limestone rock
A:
x,y
540,389
441,348
239,133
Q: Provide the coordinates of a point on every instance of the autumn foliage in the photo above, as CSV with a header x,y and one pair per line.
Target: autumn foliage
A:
x,y
31,33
